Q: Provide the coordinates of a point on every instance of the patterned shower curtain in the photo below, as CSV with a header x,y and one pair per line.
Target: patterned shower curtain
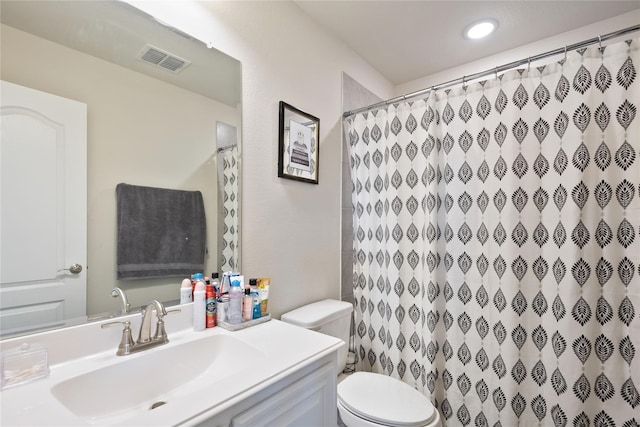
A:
x,y
229,255
497,244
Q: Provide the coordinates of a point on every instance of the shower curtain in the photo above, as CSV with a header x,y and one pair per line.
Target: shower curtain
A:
x,y
497,243
229,254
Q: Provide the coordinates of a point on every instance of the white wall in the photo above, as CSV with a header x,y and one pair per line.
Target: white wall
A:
x,y
170,145
290,230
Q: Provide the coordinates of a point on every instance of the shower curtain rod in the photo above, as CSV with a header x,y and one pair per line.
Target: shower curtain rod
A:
x,y
497,70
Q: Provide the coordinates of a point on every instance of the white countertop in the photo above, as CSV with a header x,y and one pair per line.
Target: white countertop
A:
x,y
281,347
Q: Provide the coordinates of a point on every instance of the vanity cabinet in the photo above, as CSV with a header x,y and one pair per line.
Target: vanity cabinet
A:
x,y
306,397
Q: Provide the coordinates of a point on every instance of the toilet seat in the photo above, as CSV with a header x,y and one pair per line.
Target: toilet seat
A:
x,y
383,400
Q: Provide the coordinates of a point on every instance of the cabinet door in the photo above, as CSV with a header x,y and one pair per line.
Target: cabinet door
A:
x,y
310,401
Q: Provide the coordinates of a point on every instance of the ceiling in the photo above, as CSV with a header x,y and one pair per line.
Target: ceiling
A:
x,y
407,40
117,32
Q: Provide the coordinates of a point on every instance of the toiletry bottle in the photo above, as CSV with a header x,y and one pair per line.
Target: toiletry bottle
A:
x,y
247,304
198,278
185,292
256,305
211,307
263,288
225,284
234,309
215,282
199,306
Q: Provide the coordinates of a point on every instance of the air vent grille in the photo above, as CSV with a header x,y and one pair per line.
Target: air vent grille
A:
x,y
162,59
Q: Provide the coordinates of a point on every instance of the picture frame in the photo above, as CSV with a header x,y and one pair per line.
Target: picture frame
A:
x,y
298,145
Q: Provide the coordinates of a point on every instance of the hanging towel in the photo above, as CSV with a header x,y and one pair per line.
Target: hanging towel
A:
x,y
161,232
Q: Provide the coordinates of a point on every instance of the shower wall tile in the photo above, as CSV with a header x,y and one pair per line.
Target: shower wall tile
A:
x,y
347,187
347,230
347,275
354,95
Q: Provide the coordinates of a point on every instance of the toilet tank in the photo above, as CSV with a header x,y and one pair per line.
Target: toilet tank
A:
x,y
330,317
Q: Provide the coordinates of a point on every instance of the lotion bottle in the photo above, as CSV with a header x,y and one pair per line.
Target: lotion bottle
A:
x,y
199,305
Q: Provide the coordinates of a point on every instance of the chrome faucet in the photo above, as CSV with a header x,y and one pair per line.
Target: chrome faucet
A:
x,y
145,340
117,292
144,336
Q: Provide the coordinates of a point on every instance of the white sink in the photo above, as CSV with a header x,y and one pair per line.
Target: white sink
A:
x,y
195,378
150,379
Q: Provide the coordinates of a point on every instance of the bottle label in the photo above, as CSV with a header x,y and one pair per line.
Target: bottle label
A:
x,y
211,312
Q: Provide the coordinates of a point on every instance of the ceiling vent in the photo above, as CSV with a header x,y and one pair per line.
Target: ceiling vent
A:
x,y
162,59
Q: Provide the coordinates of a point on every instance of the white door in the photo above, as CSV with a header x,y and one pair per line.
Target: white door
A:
x,y
43,198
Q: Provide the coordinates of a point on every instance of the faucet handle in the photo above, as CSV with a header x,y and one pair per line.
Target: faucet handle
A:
x,y
126,323
161,333
160,310
126,342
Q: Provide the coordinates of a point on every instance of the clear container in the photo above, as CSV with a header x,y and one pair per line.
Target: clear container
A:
x,y
234,310
223,304
23,364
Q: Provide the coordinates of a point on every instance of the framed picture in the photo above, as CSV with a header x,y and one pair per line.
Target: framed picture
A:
x,y
298,145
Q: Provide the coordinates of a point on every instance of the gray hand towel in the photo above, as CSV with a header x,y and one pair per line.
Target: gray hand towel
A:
x,y
161,232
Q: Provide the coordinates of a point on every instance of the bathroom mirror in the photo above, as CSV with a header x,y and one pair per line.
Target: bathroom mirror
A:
x,y
155,99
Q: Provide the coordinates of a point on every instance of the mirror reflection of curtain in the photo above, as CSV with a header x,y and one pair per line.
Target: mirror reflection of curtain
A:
x,y
229,254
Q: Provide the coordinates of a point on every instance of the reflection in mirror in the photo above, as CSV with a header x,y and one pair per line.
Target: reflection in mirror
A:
x,y
228,201
144,124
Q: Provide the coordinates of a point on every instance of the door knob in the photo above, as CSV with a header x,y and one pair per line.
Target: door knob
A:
x,y
73,269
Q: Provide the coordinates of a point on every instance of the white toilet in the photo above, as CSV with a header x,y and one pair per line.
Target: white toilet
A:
x,y
365,398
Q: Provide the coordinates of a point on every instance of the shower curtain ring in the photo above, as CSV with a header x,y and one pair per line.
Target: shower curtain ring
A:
x,y
528,64
600,45
565,53
496,73
464,87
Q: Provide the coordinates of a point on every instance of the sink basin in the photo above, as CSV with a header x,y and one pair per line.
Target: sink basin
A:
x,y
151,378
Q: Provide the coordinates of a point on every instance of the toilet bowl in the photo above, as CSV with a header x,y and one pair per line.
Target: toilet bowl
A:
x,y
365,398
369,399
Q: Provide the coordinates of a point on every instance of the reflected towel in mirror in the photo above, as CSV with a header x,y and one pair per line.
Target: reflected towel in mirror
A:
x,y
161,232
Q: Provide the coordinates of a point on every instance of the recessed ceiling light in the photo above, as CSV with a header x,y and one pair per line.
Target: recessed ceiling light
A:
x,y
481,29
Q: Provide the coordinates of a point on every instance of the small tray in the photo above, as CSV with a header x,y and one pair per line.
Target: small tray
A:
x,y
23,365
244,325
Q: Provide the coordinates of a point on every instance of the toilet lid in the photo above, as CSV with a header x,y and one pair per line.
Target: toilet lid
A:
x,y
384,400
